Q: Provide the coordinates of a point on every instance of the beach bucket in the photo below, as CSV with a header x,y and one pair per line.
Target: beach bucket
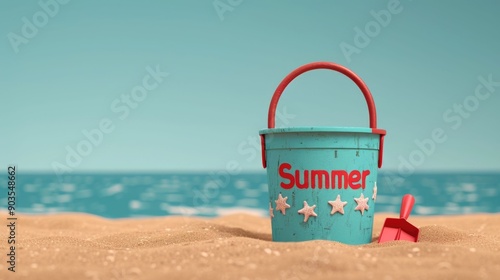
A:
x,y
322,180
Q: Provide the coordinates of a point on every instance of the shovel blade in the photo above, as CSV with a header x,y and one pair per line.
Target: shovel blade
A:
x,y
398,229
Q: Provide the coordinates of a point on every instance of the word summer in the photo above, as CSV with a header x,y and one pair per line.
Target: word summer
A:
x,y
322,178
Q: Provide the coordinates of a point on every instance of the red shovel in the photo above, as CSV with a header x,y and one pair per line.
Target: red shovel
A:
x,y
400,229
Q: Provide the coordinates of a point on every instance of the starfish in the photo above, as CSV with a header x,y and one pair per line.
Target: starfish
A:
x,y
271,210
362,204
337,205
374,196
307,211
281,204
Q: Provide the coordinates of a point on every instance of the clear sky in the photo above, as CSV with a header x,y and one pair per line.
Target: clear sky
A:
x,y
67,70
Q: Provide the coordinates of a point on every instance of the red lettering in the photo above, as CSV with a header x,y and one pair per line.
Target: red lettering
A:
x,y
354,177
287,176
363,178
322,176
304,185
341,176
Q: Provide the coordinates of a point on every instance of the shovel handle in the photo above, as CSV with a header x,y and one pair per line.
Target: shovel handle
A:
x,y
406,206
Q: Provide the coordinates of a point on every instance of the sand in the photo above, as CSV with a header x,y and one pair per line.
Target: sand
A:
x,y
81,246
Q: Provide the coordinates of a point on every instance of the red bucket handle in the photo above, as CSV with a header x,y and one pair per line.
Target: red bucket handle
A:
x,y
335,67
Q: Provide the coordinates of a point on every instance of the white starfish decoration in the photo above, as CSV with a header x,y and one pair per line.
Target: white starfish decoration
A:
x,y
307,211
374,196
281,204
362,204
337,205
271,211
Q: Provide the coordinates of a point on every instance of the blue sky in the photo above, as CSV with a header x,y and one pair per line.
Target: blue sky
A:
x,y
66,67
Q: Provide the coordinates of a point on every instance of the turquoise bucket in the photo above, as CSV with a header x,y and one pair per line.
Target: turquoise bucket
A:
x,y
322,180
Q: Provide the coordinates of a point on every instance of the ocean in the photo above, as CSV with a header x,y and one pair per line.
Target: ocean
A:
x,y
122,195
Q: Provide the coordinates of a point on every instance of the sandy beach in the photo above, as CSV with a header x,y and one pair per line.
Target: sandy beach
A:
x,y
81,246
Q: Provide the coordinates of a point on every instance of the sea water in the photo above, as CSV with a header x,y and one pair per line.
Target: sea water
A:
x,y
121,195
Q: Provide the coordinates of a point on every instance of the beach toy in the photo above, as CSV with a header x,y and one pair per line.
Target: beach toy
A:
x,y
400,229
322,180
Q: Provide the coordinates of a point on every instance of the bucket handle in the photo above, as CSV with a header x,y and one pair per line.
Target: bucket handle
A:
x,y
331,66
